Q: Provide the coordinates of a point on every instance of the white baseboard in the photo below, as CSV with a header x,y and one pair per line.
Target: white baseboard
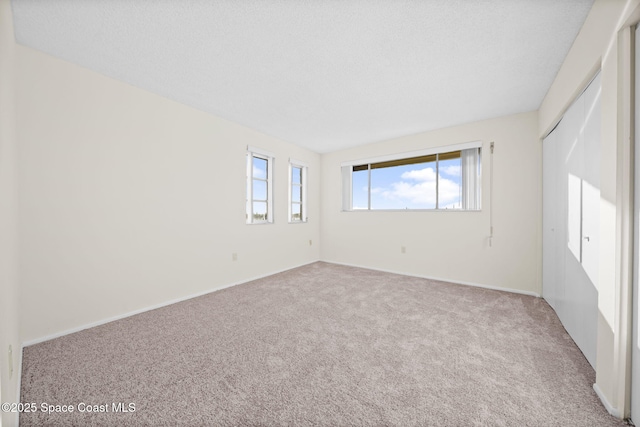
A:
x,y
457,282
153,307
609,407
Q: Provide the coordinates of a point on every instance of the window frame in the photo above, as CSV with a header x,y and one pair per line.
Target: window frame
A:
x,y
257,153
303,191
347,169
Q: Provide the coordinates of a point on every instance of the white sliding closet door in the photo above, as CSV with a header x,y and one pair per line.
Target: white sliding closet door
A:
x,y
552,264
635,349
571,206
591,183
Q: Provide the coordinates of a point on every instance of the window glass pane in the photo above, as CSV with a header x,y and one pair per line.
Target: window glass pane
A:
x,y
259,168
296,175
296,212
260,211
296,193
419,182
449,184
360,189
404,187
259,190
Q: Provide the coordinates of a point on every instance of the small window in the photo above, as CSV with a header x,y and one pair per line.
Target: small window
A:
x,y
259,206
297,191
443,178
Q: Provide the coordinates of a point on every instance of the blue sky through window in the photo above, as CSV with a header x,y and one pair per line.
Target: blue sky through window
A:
x,y
409,186
259,185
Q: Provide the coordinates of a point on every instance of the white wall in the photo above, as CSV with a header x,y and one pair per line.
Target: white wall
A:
x,y
449,245
9,327
129,200
600,45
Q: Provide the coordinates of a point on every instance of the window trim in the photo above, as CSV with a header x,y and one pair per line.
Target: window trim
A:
x,y
348,166
303,191
252,153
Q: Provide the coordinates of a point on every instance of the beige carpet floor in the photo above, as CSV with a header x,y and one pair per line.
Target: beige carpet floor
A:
x,y
322,345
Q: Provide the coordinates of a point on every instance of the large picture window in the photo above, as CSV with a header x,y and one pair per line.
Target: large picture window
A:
x,y
442,178
259,206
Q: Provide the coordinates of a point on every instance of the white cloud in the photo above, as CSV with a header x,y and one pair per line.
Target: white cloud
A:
x,y
429,174
258,173
449,192
422,191
426,174
453,170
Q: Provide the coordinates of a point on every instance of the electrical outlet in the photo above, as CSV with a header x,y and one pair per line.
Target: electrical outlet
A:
x,y
10,362
403,250
234,256
310,242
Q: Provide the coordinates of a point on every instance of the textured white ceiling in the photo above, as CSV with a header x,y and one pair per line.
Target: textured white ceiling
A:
x,y
325,75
